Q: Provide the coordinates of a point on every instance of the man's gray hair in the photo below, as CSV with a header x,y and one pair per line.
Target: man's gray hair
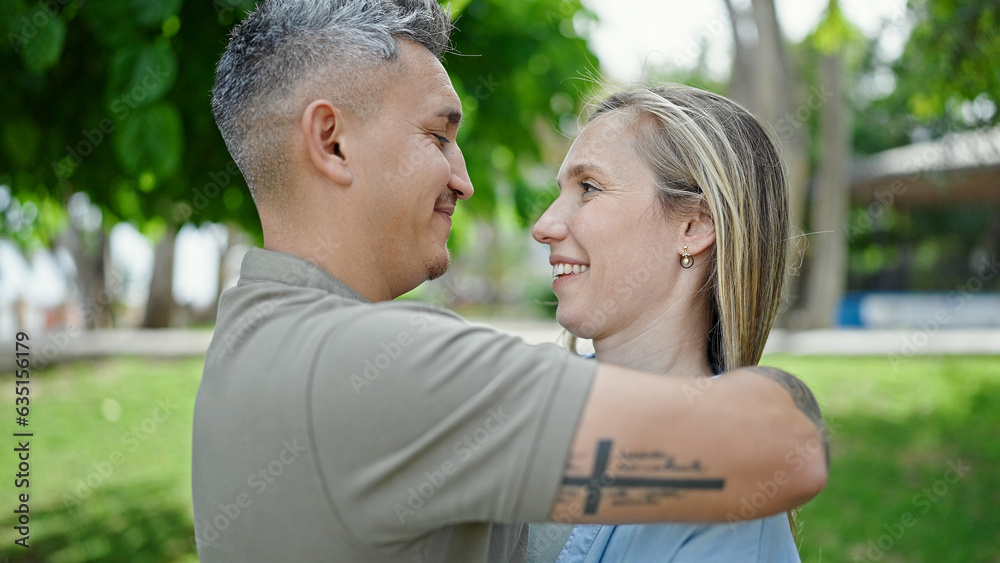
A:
x,y
288,53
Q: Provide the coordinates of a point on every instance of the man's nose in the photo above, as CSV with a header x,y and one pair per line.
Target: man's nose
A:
x,y
460,182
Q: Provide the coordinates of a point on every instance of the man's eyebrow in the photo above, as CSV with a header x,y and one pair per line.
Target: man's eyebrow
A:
x,y
454,116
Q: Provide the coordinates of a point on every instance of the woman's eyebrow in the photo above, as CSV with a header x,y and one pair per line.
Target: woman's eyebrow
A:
x,y
583,168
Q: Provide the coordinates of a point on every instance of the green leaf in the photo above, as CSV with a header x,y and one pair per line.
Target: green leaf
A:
x,y
155,12
142,76
43,39
151,139
112,24
457,7
834,32
52,219
154,229
20,140
171,26
126,201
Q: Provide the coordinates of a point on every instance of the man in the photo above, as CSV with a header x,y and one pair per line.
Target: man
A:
x,y
333,424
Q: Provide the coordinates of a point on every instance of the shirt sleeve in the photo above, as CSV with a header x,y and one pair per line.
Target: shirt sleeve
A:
x,y
420,421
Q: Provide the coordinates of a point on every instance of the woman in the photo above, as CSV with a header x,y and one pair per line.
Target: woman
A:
x,y
668,244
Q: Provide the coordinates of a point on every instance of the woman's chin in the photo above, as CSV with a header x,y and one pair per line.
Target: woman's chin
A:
x,y
576,324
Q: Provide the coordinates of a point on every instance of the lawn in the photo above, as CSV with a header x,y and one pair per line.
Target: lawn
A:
x,y
915,474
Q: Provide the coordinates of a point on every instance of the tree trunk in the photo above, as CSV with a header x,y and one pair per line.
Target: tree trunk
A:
x,y
90,251
160,304
233,236
828,248
763,82
741,83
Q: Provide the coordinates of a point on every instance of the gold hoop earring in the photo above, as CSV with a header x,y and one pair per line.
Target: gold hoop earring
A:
x,y
686,260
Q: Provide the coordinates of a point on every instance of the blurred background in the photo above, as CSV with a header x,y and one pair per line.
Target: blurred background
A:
x,y
122,218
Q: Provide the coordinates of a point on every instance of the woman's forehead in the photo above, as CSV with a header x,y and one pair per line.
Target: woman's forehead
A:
x,y
606,144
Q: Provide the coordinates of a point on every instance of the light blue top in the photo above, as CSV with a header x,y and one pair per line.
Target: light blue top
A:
x,y
765,540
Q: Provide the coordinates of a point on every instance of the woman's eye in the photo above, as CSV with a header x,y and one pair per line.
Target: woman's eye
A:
x,y
589,188
442,140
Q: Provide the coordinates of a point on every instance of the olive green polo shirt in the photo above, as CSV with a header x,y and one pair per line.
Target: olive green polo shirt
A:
x,y
330,428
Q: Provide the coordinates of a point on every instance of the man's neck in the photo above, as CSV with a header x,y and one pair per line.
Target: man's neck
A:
x,y
346,260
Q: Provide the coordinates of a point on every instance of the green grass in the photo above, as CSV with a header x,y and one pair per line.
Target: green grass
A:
x,y
109,482
894,432
891,496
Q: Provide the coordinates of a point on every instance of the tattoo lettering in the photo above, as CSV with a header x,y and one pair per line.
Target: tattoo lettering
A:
x,y
601,479
652,461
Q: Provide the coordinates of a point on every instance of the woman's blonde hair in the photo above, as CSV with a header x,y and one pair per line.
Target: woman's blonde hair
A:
x,y
706,151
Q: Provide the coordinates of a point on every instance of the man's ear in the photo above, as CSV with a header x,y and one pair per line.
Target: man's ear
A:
x,y
324,126
697,230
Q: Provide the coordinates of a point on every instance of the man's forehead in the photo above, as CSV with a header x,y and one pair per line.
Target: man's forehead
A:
x,y
441,99
426,84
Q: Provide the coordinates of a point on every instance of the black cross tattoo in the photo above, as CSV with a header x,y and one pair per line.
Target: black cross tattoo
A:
x,y
600,478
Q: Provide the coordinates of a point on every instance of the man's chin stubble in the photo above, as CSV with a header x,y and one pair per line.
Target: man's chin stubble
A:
x,y
438,266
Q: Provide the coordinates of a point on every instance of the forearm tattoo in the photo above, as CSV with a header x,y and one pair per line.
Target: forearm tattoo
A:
x,y
637,478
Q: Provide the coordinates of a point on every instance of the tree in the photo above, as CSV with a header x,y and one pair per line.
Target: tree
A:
x,y
836,45
111,98
951,59
764,81
945,81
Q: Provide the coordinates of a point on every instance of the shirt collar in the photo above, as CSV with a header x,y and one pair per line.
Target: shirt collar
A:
x,y
270,265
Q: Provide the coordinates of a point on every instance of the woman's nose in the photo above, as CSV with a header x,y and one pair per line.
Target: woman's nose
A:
x,y
550,227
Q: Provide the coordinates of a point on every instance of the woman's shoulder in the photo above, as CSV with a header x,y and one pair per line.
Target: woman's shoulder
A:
x,y
633,542
767,539
763,539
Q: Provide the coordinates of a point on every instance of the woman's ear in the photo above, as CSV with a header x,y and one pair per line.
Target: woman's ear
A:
x,y
325,130
698,229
